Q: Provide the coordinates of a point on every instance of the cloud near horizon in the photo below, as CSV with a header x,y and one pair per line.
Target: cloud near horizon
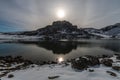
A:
x,y
20,15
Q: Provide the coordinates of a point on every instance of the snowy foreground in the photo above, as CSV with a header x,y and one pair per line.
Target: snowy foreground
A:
x,y
64,73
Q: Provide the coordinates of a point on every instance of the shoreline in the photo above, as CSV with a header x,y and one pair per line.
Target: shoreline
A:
x,y
13,65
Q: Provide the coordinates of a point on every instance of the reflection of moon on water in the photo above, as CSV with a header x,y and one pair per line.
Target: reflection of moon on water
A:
x,y
60,59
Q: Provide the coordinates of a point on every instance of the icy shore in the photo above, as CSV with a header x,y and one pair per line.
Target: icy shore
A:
x,y
65,72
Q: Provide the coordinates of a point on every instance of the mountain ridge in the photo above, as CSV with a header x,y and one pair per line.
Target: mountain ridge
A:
x,y
66,30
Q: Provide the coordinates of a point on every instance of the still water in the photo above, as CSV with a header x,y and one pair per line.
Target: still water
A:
x,y
50,51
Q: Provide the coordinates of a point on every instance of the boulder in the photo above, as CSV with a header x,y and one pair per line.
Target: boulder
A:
x,y
10,76
92,60
79,64
105,56
91,70
118,57
53,77
84,62
3,74
107,62
111,73
116,68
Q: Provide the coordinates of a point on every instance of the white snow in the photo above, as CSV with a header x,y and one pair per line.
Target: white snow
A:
x,y
65,73
113,31
20,37
102,35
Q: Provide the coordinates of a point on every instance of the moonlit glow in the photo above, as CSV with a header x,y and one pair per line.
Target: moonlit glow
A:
x,y
60,59
60,13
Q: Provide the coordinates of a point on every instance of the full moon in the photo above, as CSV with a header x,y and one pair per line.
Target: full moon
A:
x,y
60,13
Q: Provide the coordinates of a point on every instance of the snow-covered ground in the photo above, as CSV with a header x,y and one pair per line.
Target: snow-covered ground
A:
x,y
102,35
64,73
19,37
114,31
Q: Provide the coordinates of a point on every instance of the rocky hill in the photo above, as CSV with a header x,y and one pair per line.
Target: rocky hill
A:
x,y
60,30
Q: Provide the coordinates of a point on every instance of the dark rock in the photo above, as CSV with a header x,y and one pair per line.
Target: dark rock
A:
x,y
93,61
8,61
116,68
66,64
105,56
10,76
116,54
91,70
107,62
79,64
32,66
53,77
3,74
111,73
84,62
53,62
118,57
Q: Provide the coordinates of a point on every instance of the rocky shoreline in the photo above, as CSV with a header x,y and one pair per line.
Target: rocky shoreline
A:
x,y
10,64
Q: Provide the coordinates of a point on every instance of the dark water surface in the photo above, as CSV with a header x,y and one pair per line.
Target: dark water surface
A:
x,y
50,51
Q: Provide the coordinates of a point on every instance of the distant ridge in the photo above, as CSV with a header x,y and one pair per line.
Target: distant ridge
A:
x,y
65,30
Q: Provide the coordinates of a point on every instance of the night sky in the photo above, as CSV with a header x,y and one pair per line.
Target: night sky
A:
x,y
21,15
